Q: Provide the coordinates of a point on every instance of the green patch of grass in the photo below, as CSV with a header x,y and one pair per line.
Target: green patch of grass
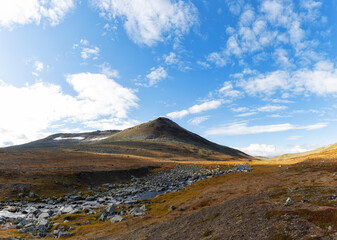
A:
x,y
207,233
271,214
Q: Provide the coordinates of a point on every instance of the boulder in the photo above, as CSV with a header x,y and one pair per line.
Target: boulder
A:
x,y
66,210
135,212
117,218
143,207
43,216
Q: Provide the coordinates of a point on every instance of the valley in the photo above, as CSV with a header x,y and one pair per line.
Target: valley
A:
x,y
160,181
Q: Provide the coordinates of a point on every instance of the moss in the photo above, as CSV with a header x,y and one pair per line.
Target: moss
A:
x,y
207,233
271,214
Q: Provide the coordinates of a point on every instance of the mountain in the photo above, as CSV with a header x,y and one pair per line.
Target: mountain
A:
x,y
164,130
161,134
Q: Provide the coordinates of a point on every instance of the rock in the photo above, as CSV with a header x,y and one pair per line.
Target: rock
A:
x,y
32,195
12,209
111,209
43,222
332,197
77,198
42,216
116,218
172,208
135,212
90,198
30,229
65,184
143,207
42,229
66,210
289,202
103,215
65,234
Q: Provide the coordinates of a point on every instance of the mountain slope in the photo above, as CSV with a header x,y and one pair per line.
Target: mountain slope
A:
x,y
69,139
165,130
327,154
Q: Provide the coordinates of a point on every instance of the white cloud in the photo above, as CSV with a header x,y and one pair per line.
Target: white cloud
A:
x,y
148,22
198,108
197,120
21,12
171,59
247,114
282,58
243,128
240,109
321,80
90,53
271,108
156,75
178,114
42,105
235,6
228,91
108,71
203,64
86,50
279,24
265,150
38,66
216,58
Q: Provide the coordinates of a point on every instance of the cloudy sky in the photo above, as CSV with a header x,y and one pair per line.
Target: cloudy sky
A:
x,y
259,75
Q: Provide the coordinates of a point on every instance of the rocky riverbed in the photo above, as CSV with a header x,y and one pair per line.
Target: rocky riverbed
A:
x,y
112,201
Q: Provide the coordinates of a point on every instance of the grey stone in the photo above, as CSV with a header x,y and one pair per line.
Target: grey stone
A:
x,y
64,234
42,216
135,212
32,195
172,208
116,218
66,210
289,202
143,207
42,229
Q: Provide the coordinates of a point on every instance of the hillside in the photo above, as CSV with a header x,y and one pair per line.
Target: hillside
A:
x,y
326,154
165,130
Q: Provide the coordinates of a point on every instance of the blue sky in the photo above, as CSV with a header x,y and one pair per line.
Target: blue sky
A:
x,y
260,76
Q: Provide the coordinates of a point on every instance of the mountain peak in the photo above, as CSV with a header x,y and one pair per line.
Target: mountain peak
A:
x,y
165,130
